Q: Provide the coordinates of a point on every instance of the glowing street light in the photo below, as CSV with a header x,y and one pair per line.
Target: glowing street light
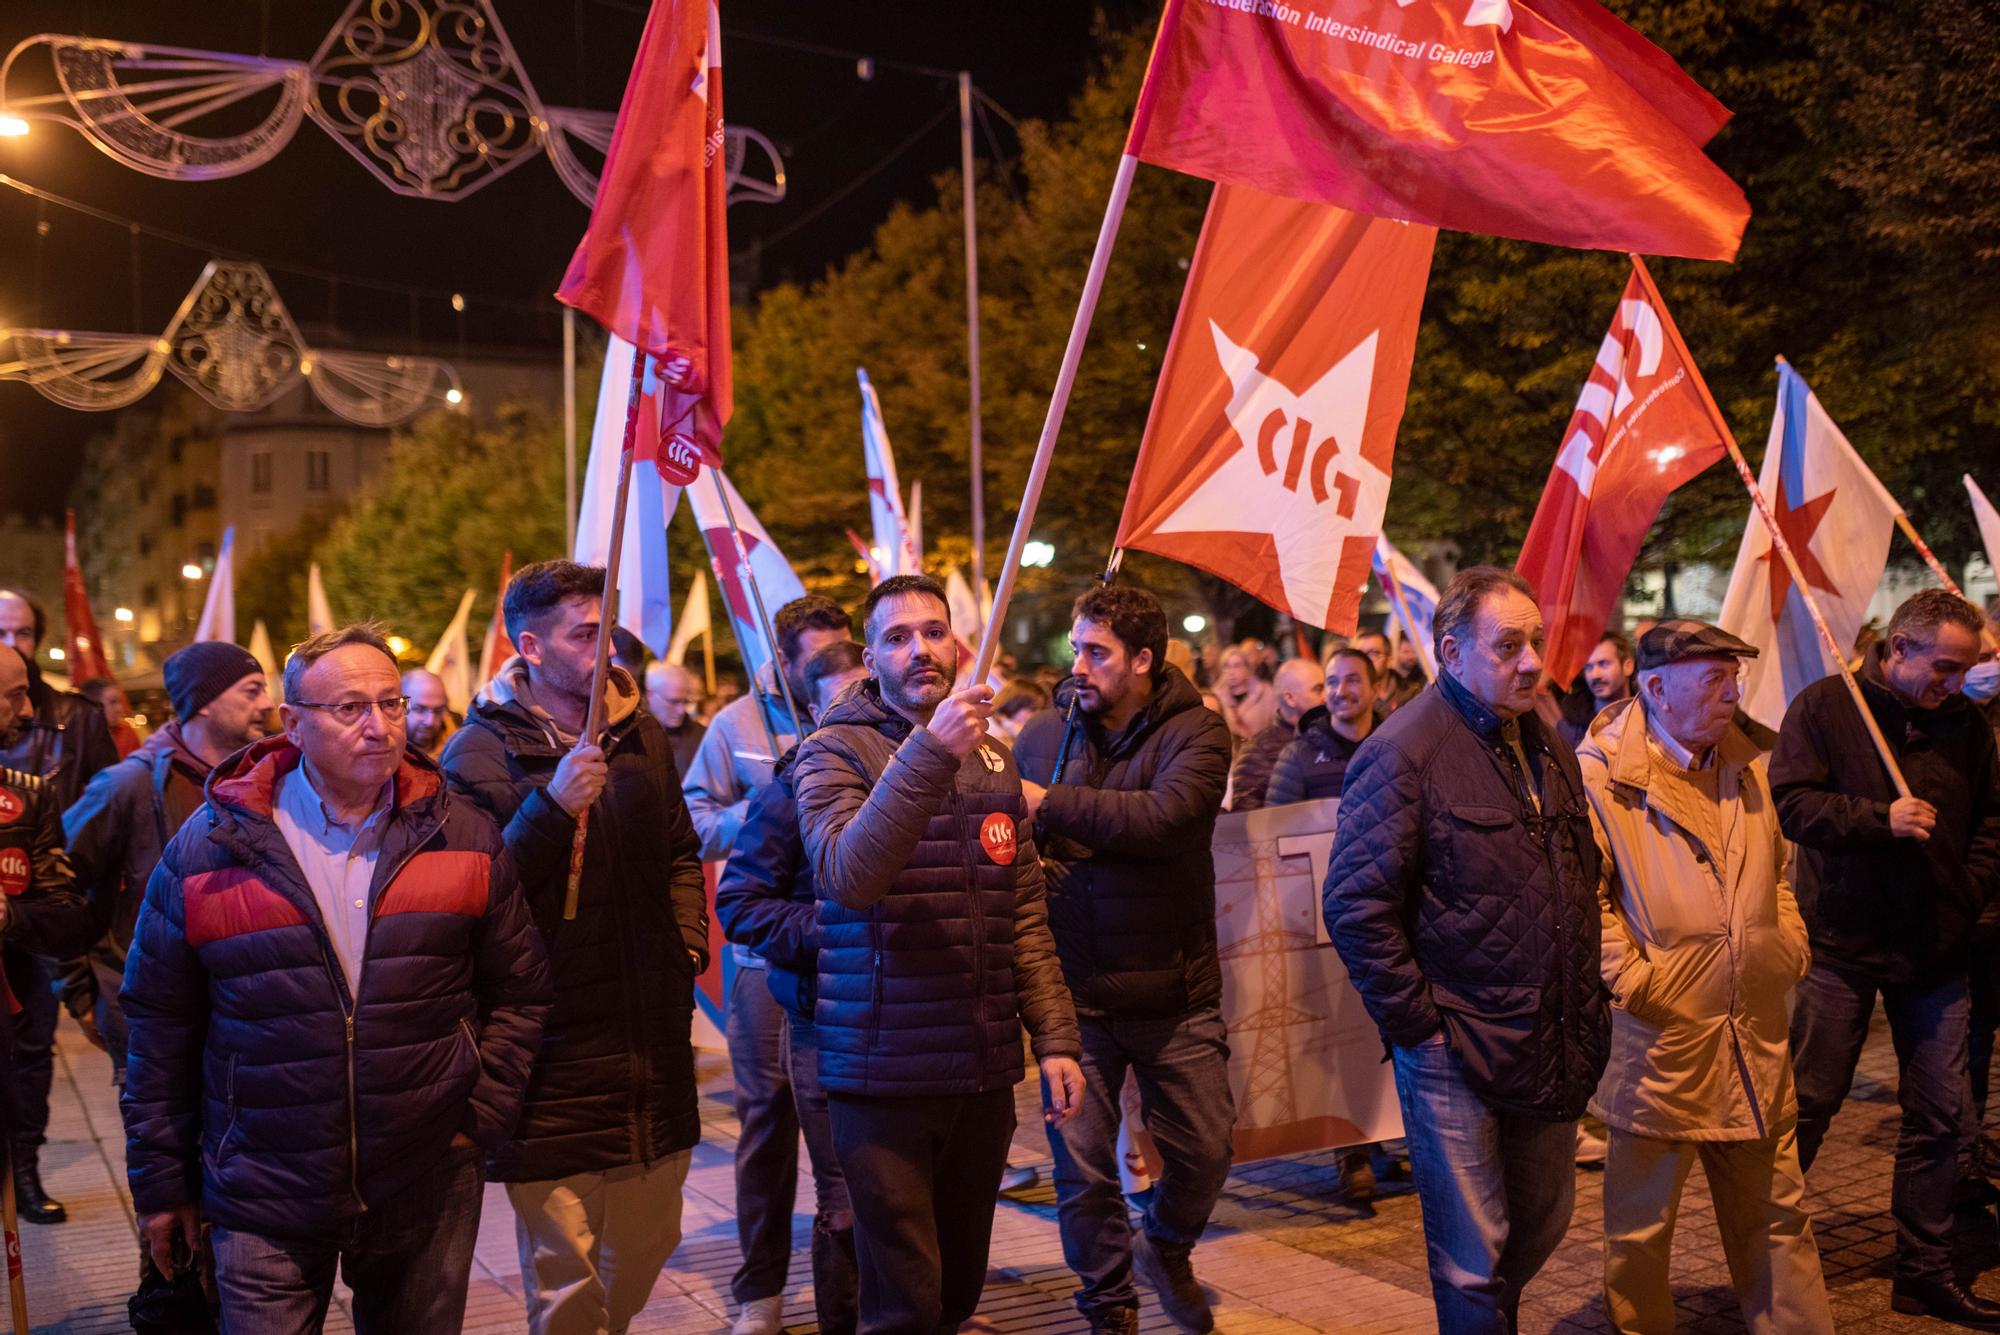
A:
x,y
454,396
57,655
1037,555
191,571
12,127
398,645
121,614
1194,624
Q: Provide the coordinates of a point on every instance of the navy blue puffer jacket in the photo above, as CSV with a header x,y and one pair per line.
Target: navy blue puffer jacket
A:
x,y
764,898
257,1085
935,940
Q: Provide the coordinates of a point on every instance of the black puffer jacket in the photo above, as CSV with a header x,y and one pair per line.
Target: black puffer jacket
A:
x,y
613,1082
934,942
1892,910
1314,764
1454,903
1125,845
66,742
765,898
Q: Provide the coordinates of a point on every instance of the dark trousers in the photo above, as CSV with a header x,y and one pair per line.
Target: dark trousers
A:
x,y
834,1278
408,1260
767,1150
34,1046
1928,1025
1182,1068
923,1175
1983,1153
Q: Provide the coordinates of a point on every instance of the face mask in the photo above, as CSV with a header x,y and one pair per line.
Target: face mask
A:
x,y
1982,680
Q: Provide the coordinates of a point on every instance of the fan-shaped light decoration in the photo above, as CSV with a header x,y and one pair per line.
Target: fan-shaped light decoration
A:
x,y
428,95
234,343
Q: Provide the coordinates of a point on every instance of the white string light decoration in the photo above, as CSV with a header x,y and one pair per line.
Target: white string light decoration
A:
x,y
233,342
428,95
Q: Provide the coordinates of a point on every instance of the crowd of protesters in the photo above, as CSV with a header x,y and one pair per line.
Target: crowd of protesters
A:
x,y
349,965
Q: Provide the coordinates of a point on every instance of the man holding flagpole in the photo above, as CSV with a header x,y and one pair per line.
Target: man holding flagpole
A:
x,y
1894,886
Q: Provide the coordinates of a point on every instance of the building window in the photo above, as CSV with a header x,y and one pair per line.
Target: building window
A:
x,y
260,472
319,466
146,547
203,497
179,508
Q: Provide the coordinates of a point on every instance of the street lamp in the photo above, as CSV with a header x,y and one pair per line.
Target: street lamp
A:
x,y
1037,555
12,127
190,571
57,655
122,614
1194,624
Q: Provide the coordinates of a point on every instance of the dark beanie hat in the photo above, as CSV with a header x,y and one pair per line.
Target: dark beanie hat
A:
x,y
204,670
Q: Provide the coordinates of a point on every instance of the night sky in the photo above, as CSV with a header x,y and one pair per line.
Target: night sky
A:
x,y
314,206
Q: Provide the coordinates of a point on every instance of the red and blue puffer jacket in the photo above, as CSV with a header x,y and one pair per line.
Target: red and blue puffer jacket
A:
x,y
257,1085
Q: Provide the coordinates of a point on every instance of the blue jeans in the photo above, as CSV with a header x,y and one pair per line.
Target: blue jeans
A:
x,y
408,1260
1497,1189
1182,1067
1928,1026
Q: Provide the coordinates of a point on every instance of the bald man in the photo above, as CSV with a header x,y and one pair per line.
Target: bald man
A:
x,y
1299,686
430,723
672,692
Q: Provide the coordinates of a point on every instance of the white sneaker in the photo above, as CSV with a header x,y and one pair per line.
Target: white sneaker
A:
x,y
760,1316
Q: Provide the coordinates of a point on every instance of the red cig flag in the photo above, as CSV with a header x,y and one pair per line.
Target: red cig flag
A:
x,y
1547,120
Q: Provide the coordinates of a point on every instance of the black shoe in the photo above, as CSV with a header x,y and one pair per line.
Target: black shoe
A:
x,y
31,1202
1171,1277
1945,1299
1357,1178
1114,1321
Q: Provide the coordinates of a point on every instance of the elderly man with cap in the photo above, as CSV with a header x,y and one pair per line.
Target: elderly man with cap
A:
x,y
1702,943
118,828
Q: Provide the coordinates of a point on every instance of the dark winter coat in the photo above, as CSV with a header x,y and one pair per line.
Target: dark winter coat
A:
x,y
1313,764
1456,904
120,826
1882,908
67,741
45,912
1125,841
934,943
613,1082
1249,776
765,898
257,1084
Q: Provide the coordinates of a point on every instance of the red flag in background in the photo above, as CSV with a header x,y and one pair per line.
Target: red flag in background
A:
x,y
85,647
1640,429
1547,120
1266,458
653,267
497,648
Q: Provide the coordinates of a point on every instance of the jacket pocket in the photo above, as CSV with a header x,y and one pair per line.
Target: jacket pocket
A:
x,y
1489,1026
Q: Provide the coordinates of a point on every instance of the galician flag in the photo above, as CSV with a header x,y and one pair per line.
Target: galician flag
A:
x,y
1837,519
1404,582
776,580
694,620
218,611
1989,522
451,660
895,548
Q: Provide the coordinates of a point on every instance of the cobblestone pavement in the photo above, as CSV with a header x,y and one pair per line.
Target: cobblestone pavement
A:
x,y
1280,1257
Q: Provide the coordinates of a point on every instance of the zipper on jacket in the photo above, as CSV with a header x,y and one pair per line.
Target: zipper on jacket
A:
x,y
1743,1073
353,1123
978,934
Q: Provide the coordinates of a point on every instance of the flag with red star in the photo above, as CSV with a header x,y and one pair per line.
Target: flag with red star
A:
x,y
1267,455
1837,518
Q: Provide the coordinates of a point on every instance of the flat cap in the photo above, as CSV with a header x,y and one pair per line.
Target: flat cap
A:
x,y
1682,638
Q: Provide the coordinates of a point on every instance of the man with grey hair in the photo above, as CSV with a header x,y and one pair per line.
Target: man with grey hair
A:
x,y
1894,887
1462,897
1702,944
333,997
672,692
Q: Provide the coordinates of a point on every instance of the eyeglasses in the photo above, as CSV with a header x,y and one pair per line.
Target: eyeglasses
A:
x,y
348,713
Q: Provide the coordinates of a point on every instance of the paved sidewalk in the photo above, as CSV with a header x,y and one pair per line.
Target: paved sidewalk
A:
x,y
1281,1256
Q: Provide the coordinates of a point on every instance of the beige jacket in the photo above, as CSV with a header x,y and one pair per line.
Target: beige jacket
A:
x,y
1702,938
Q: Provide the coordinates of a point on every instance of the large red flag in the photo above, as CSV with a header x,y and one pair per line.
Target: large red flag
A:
x,y
85,647
1547,120
1640,429
653,268
1267,455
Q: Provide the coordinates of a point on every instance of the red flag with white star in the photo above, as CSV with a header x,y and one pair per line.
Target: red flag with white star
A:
x,y
86,659
1640,429
1266,459
1837,518
1547,120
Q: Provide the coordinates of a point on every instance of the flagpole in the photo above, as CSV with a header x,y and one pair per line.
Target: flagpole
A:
x,y
978,451
569,428
1073,714
1394,588
1778,542
607,616
799,729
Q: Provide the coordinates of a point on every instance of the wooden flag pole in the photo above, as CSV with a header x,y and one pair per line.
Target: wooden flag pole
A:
x,y
1079,332
799,729
977,447
569,428
607,617
1778,543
